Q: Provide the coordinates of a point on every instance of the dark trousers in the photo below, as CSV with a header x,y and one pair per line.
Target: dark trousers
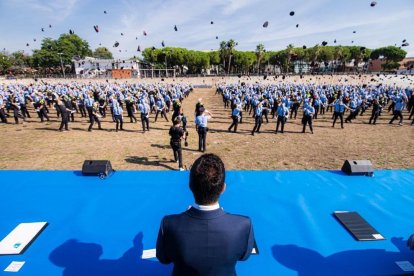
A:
x,y
102,111
43,114
397,114
163,114
341,116
17,114
266,113
374,116
3,116
293,112
322,110
280,121
411,114
119,122
352,115
235,123
144,121
24,111
315,116
257,124
177,151
307,120
94,119
202,136
82,110
65,121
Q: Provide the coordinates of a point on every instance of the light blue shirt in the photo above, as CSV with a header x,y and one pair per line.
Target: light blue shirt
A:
x,y
201,121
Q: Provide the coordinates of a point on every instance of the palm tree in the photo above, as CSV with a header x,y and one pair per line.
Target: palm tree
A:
x,y
230,49
260,49
223,53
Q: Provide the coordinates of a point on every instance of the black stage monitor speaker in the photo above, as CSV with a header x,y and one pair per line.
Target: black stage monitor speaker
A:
x,y
100,168
358,167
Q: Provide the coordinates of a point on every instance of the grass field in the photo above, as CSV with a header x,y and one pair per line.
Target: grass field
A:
x,y
35,145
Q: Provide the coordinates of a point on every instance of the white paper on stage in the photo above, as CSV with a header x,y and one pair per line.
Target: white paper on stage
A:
x,y
21,236
149,253
405,266
14,266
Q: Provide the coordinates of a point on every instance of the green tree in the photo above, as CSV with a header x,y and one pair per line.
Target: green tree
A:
x,y
260,50
65,48
102,53
5,63
391,54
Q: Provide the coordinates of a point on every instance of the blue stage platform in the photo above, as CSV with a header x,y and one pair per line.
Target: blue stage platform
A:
x,y
100,227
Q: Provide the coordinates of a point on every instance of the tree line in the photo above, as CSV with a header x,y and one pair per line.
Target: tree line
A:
x,y
57,54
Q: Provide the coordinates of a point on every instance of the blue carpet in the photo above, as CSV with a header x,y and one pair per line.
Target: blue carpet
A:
x,y
100,227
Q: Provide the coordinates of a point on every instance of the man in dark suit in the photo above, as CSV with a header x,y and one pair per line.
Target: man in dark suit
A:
x,y
205,240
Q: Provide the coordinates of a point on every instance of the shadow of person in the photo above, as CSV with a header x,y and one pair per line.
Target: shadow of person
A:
x,y
84,259
352,262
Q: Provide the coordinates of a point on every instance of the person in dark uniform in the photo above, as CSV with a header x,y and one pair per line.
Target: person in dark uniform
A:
x,y
81,106
308,113
102,106
2,113
68,103
294,108
40,107
376,109
15,105
199,108
266,110
94,117
177,133
176,109
64,113
130,107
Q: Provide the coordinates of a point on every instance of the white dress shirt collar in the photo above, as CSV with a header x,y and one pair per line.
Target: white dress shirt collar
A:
x,y
206,208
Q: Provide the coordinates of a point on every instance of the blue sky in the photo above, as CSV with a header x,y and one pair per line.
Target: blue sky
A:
x,y
386,24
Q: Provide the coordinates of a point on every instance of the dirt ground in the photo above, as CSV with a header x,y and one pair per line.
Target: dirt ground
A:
x,y
35,145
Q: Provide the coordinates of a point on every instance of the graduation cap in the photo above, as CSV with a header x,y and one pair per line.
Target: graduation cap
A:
x,y
139,48
145,33
50,26
373,3
43,29
27,45
71,32
362,49
352,41
116,44
265,77
266,24
163,44
405,44
239,75
297,25
153,48
324,43
405,40
122,33
216,37
34,39
96,28
211,22
304,47
49,47
292,13
335,41
105,12
354,32
175,28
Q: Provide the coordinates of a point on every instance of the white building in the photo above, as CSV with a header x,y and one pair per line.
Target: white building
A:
x,y
90,67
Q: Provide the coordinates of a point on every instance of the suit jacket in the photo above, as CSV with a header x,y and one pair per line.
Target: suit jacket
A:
x,y
204,242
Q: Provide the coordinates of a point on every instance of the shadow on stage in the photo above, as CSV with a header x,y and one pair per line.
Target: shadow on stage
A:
x,y
146,162
352,262
84,259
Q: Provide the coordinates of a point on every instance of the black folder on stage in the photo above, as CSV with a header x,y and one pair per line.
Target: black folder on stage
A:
x,y
357,226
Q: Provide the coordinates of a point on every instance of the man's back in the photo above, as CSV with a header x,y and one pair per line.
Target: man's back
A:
x,y
204,242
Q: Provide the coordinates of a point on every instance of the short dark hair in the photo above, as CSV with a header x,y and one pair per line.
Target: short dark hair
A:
x,y
207,177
